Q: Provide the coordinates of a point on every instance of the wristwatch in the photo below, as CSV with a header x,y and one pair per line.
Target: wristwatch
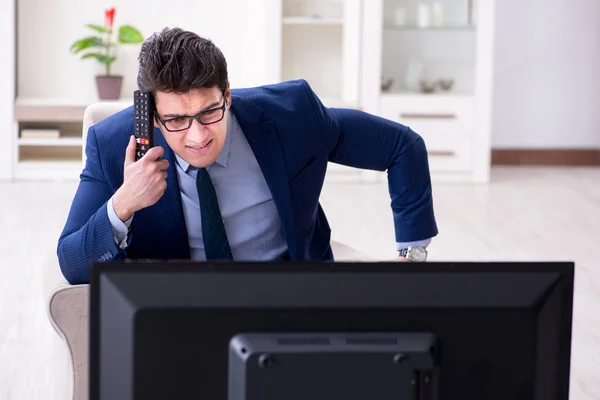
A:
x,y
414,253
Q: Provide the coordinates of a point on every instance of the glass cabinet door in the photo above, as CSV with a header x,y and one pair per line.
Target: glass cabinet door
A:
x,y
428,47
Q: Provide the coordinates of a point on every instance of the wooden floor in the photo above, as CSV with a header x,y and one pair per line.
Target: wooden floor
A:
x,y
524,214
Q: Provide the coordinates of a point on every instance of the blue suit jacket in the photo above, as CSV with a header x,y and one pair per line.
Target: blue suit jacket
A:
x,y
293,137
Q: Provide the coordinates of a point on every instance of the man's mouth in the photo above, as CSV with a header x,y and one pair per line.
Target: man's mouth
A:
x,y
198,147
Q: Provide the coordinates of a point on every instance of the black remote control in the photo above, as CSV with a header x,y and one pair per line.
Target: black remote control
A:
x,y
143,108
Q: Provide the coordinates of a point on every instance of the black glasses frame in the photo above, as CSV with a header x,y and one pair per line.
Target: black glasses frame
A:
x,y
195,117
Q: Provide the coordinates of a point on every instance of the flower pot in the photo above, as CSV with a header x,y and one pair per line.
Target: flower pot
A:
x,y
109,87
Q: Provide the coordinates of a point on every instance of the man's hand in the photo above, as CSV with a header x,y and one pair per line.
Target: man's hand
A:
x,y
402,259
144,181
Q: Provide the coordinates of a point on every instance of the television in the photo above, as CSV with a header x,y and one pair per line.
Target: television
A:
x,y
327,330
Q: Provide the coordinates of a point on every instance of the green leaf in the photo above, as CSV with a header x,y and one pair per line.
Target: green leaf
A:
x,y
100,57
128,34
97,28
86,43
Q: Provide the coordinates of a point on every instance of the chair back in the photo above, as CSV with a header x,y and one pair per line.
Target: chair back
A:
x,y
95,113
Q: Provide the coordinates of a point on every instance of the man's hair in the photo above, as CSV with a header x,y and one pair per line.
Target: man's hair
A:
x,y
176,61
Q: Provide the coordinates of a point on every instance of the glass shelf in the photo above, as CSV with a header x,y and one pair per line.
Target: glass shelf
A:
x,y
415,93
312,21
415,28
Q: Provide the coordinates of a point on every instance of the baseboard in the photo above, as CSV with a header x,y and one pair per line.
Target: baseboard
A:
x,y
552,157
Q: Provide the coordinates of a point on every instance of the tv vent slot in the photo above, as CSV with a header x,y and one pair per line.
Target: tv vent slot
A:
x,y
371,341
304,341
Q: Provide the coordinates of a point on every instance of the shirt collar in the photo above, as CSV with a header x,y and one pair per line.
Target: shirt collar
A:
x,y
223,156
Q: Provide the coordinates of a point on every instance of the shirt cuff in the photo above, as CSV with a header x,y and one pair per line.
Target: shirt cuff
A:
x,y
120,229
418,243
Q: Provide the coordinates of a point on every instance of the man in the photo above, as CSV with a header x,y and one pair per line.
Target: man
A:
x,y
234,174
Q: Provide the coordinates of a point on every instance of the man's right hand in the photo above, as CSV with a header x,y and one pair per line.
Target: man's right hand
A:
x,y
144,181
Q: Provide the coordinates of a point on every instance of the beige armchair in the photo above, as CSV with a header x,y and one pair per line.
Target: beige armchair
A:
x,y
68,304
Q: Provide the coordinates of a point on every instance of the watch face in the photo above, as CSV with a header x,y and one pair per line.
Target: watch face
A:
x,y
417,254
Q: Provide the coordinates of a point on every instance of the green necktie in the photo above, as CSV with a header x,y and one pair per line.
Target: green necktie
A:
x,y
216,245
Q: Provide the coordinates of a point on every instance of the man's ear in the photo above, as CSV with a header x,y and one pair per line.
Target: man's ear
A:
x,y
156,125
228,95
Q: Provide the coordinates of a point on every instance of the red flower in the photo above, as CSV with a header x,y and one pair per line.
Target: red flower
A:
x,y
109,17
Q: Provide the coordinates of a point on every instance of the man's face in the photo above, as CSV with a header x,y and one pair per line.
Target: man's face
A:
x,y
199,144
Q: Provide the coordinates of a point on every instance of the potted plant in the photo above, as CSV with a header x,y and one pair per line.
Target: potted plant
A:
x,y
102,46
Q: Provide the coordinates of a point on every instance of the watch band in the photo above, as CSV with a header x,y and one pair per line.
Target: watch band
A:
x,y
414,253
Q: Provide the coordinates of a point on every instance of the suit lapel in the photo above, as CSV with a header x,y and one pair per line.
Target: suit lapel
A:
x,y
265,144
171,200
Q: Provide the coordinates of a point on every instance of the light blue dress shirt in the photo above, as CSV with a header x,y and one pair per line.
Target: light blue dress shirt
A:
x,y
251,221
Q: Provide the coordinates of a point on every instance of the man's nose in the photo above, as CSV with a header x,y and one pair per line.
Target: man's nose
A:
x,y
197,132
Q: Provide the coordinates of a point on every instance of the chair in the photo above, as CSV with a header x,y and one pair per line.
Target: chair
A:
x,y
67,305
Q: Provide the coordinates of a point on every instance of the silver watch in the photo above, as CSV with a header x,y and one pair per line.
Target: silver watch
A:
x,y
414,253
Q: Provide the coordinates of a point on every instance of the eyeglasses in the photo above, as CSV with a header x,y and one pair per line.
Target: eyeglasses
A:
x,y
184,122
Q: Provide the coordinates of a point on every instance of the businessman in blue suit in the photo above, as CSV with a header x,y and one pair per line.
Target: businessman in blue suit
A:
x,y
235,173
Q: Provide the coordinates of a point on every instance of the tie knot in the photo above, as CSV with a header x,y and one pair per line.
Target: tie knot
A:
x,y
204,183
202,175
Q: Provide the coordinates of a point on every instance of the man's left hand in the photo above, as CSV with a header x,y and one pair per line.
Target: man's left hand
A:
x,y
402,259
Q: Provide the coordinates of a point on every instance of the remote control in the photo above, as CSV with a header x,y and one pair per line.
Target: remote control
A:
x,y
143,107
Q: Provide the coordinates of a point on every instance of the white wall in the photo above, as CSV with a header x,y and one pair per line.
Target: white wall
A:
x,y
547,74
48,69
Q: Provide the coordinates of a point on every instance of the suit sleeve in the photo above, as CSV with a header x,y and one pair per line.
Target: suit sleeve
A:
x,y
87,235
358,139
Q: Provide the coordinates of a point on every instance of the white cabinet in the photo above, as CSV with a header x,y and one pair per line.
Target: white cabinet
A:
x,y
428,64
318,41
424,63
444,122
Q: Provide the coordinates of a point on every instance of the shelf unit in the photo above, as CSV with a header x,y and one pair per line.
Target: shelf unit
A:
x,y
406,52
349,49
49,158
319,41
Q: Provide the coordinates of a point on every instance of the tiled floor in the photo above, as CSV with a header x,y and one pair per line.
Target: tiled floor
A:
x,y
524,214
